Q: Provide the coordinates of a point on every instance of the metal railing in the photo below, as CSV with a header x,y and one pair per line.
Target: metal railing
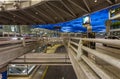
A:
x,y
43,59
11,49
85,62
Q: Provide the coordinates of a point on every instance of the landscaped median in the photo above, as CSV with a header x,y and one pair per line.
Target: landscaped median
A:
x,y
53,48
50,49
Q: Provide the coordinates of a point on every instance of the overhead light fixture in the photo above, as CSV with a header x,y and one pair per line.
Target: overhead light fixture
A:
x,y
95,0
16,4
2,7
56,17
36,12
13,65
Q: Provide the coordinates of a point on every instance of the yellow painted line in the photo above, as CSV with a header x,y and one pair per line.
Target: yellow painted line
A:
x,y
53,49
44,73
50,50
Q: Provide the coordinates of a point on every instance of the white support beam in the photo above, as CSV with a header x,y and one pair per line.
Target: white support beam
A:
x,y
63,11
78,6
3,21
54,12
10,19
34,17
87,5
43,58
109,1
22,19
25,16
43,14
115,1
68,8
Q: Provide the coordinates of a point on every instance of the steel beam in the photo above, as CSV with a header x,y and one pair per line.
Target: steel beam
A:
x,y
115,1
68,8
63,11
15,15
43,14
109,1
3,21
28,18
54,12
87,5
4,16
78,6
34,17
43,58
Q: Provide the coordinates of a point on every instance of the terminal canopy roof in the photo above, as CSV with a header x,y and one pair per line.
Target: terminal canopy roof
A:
x,y
29,12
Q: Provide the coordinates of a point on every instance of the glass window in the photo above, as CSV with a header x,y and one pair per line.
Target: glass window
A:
x,y
15,69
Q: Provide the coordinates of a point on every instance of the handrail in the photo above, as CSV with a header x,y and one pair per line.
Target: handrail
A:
x,y
87,71
43,58
97,69
74,43
74,49
105,41
109,59
80,51
15,41
12,49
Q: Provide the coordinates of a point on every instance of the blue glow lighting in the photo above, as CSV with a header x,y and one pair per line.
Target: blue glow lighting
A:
x,y
97,20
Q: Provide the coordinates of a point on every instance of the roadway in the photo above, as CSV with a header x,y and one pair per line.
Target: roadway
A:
x,y
38,72
50,72
60,72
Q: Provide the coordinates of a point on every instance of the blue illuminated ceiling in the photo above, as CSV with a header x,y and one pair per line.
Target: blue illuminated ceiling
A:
x,y
97,22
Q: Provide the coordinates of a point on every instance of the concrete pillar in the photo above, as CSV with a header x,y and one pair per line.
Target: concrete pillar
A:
x,y
108,23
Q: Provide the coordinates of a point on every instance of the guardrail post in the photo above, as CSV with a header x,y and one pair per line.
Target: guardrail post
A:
x,y
23,42
80,52
68,42
24,58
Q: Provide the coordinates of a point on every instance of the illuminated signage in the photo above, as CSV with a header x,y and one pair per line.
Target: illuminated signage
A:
x,y
86,20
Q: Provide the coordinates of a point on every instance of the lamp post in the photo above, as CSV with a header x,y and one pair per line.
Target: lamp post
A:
x,y
57,28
